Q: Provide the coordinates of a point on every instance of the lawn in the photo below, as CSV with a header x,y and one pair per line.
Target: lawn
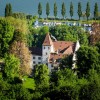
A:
x,y
29,83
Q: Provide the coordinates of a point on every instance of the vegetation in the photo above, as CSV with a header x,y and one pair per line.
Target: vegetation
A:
x,y
39,9
6,36
88,10
63,10
79,10
19,82
71,10
8,10
47,9
55,9
96,11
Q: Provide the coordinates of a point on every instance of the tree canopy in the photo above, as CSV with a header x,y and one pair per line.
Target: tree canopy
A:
x,y
6,35
87,58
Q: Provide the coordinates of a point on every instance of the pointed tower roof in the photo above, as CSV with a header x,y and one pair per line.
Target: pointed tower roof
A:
x,y
47,41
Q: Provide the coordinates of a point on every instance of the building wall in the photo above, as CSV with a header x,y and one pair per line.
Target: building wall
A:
x,y
46,50
35,59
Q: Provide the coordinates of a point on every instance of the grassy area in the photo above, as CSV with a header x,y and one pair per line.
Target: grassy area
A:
x,y
28,83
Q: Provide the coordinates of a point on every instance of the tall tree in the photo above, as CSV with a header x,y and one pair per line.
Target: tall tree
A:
x,y
21,51
8,10
71,9
41,76
88,58
12,65
79,10
96,10
6,35
47,9
55,9
88,10
63,10
39,9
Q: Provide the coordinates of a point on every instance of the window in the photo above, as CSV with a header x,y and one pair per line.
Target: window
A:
x,y
46,53
33,57
39,62
48,47
39,58
44,47
33,62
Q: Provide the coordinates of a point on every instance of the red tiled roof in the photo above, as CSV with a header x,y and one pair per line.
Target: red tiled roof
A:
x,y
64,46
47,41
54,56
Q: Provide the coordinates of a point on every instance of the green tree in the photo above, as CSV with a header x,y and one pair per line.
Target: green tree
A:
x,y
21,51
41,76
12,64
63,10
87,10
79,10
55,9
91,91
87,58
8,10
96,11
39,9
71,10
6,35
47,9
66,62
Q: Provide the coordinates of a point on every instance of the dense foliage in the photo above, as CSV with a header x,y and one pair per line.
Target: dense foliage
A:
x,y
16,80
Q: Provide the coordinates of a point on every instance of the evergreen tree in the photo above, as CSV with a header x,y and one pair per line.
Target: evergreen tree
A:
x,y
8,10
63,10
39,9
55,9
88,10
47,9
79,10
96,10
71,9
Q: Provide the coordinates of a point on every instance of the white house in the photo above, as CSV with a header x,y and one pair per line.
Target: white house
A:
x,y
52,52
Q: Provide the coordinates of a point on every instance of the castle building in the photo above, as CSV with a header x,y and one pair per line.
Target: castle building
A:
x,y
52,52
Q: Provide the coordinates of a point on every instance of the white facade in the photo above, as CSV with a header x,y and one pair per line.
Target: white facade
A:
x,y
35,59
44,57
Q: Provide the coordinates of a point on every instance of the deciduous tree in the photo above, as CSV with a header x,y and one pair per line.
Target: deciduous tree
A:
x,y
12,65
87,58
41,76
6,35
21,51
